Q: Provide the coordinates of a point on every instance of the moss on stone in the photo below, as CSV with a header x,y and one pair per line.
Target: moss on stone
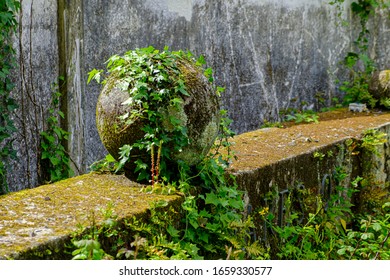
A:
x,y
36,221
379,85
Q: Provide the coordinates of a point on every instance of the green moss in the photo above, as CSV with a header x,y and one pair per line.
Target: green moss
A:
x,y
384,79
33,221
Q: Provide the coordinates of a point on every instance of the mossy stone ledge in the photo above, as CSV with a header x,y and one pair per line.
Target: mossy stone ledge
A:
x,y
278,159
38,223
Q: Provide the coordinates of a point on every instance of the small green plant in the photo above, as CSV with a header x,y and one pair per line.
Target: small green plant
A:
x,y
319,155
88,247
356,89
372,138
106,165
303,117
267,124
385,102
371,239
214,220
54,158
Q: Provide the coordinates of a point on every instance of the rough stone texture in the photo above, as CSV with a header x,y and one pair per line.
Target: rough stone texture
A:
x,y
198,113
379,85
75,102
270,55
37,224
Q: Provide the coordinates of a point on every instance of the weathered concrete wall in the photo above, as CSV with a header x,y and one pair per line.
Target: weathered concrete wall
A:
x,y
270,56
37,57
76,103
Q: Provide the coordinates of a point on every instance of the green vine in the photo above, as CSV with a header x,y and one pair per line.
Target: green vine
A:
x,y
8,24
54,158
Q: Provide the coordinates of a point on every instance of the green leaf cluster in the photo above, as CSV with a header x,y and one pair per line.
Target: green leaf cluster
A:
x,y
358,62
303,117
328,229
54,157
370,240
372,138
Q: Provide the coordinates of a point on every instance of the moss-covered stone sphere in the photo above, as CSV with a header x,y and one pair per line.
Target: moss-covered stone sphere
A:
x,y
379,85
198,112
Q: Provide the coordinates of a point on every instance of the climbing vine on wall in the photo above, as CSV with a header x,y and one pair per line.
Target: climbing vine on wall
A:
x,y
54,157
8,24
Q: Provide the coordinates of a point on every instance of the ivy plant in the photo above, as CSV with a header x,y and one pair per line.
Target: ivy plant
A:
x,y
154,80
54,157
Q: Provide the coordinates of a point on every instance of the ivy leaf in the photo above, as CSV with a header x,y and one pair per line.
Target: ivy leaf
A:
x,y
201,61
140,165
54,160
209,74
94,74
212,198
124,153
174,233
58,131
376,226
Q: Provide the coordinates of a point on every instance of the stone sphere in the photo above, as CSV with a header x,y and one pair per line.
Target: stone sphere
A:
x,y
198,112
379,86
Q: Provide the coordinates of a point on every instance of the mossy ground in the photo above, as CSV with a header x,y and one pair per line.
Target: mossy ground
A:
x,y
33,217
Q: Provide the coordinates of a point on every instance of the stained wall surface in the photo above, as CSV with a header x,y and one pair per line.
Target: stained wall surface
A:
x,y
269,55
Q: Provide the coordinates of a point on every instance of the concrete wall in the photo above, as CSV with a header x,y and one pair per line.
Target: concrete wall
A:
x,y
36,48
270,56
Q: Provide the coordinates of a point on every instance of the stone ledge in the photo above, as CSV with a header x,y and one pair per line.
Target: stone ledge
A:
x,y
38,222
280,158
